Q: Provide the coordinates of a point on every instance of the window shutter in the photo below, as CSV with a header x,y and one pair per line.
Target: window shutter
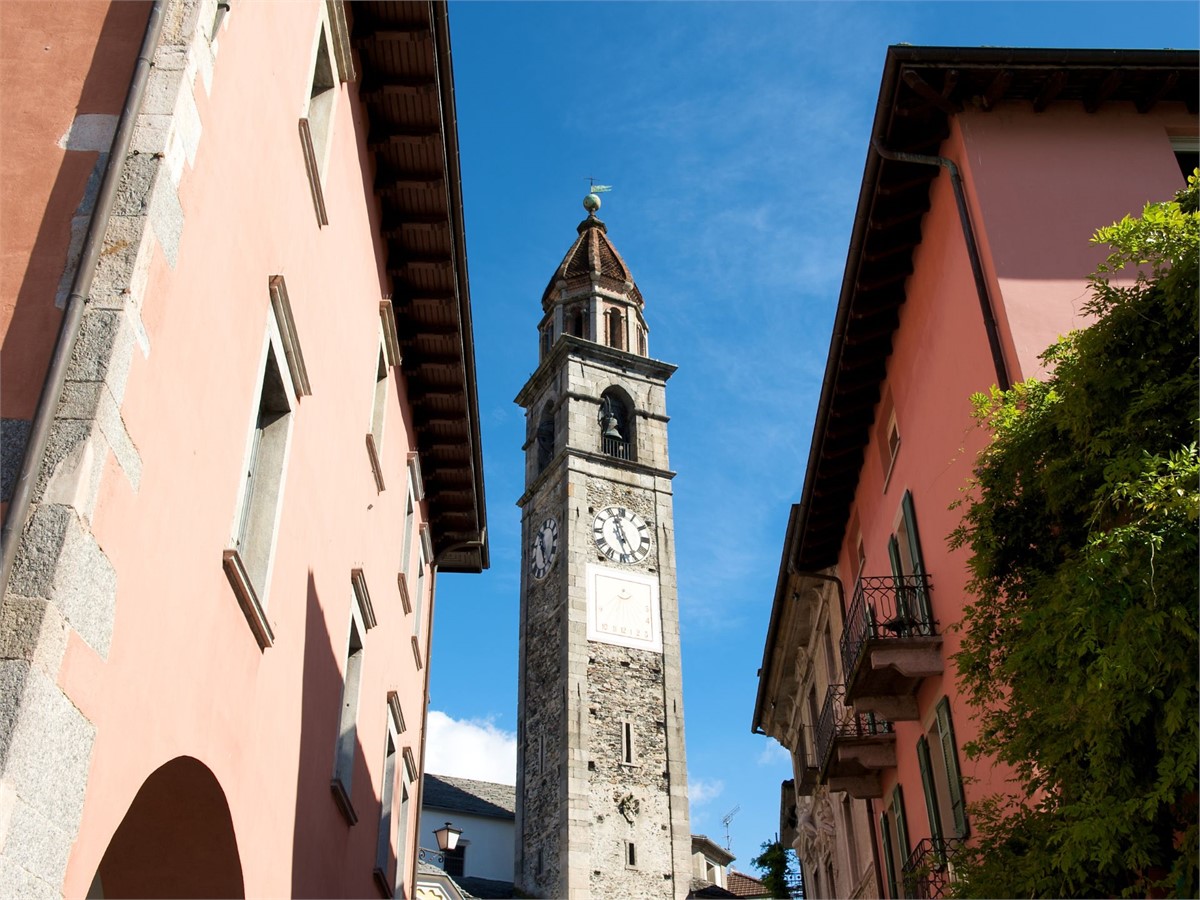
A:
x,y
958,801
914,539
889,866
914,549
931,802
894,556
902,847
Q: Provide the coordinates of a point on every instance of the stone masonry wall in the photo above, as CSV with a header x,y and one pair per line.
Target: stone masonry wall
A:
x,y
543,722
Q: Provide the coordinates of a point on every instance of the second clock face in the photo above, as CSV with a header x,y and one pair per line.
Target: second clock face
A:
x,y
621,534
544,548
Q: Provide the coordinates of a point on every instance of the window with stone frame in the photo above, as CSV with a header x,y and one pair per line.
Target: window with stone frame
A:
x,y
331,64
379,398
249,557
362,618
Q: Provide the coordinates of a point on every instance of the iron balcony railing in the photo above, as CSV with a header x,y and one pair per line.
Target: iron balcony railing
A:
x,y
929,870
839,720
616,447
885,607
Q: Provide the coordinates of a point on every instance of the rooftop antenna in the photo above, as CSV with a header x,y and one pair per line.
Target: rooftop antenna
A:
x,y
726,819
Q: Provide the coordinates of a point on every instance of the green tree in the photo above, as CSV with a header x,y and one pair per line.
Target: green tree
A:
x,y
1080,649
775,864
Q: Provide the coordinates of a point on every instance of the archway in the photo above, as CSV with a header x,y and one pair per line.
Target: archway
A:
x,y
176,839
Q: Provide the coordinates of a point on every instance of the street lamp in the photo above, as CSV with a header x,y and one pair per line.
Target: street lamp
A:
x,y
447,837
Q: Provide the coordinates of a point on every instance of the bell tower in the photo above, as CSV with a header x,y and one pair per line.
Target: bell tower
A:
x,y
602,808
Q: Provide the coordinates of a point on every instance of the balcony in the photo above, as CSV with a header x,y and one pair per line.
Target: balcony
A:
x,y
889,644
929,871
853,747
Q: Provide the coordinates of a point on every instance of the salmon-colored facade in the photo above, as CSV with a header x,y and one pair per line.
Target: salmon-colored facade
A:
x,y
223,540
858,677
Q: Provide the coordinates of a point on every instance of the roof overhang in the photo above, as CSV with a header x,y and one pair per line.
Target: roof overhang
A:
x,y
922,87
407,86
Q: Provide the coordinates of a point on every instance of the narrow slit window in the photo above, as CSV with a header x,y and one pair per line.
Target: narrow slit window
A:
x,y
630,854
627,751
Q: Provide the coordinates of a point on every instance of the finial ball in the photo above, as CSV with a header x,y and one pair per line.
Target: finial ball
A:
x,y
591,203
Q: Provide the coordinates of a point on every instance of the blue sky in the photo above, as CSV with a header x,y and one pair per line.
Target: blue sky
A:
x,y
734,136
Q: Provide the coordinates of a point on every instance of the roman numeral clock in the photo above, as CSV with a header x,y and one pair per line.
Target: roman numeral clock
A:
x,y
601,770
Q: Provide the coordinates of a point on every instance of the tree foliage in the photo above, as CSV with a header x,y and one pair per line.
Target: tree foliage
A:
x,y
1080,648
775,862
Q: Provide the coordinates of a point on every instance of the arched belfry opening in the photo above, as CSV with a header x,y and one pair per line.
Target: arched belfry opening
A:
x,y
576,322
615,326
545,438
176,839
616,424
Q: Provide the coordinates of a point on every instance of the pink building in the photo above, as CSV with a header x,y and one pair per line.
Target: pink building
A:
x,y
988,172
234,273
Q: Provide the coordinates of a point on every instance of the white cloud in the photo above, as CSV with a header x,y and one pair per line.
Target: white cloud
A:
x,y
773,754
704,790
470,748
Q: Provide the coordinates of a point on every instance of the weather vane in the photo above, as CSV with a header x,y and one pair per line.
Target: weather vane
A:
x,y
592,202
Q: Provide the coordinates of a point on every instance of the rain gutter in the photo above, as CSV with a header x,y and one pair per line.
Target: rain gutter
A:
x,y
68,332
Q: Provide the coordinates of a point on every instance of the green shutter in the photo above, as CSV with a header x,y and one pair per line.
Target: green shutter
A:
x,y
902,847
889,866
914,539
931,801
958,800
894,556
914,550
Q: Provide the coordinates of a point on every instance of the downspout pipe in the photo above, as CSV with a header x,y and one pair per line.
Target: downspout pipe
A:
x,y
985,303
68,331
832,579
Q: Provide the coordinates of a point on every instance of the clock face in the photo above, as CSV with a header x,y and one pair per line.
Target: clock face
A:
x,y
621,534
544,548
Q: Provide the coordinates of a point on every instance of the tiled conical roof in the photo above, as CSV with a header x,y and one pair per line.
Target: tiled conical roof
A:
x,y
592,256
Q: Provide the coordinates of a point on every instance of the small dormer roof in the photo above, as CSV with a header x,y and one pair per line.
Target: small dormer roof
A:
x,y
592,259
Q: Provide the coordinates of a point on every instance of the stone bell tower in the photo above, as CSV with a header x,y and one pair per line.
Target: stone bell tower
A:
x,y
602,808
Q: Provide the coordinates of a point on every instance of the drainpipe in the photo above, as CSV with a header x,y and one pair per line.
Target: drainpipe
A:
x,y
833,579
985,304
68,331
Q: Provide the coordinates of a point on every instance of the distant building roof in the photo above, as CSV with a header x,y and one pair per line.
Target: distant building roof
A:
x,y
476,798
702,843
485,888
705,889
742,885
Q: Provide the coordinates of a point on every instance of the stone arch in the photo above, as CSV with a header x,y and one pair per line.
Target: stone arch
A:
x,y
617,412
176,839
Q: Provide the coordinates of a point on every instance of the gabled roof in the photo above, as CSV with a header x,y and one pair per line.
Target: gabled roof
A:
x,y
407,85
742,885
464,795
922,88
702,843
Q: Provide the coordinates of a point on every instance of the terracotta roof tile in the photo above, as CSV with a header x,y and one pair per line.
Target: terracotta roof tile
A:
x,y
592,256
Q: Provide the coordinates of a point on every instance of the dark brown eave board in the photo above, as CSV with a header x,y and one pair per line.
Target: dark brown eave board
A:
x,y
919,90
407,84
